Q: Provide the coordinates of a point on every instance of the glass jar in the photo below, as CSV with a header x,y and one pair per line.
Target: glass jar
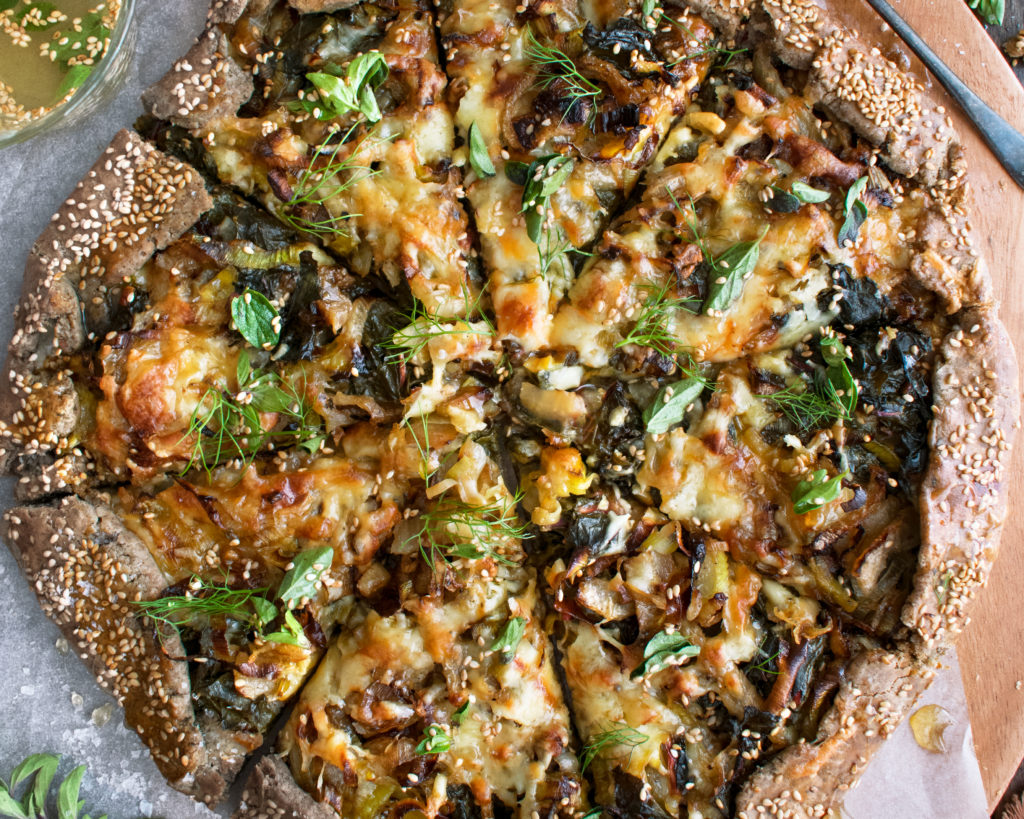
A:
x,y
98,89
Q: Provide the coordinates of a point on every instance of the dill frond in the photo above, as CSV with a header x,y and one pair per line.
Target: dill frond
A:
x,y
554,65
617,736
204,600
328,175
652,327
421,326
456,529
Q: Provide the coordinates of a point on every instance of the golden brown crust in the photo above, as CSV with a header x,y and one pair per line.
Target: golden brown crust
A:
x,y
133,201
87,570
206,83
853,81
271,793
976,396
808,779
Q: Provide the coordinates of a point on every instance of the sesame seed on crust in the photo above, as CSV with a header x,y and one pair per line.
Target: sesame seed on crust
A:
x,y
271,793
87,570
133,201
963,496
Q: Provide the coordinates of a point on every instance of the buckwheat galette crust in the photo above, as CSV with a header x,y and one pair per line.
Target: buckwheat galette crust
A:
x,y
87,567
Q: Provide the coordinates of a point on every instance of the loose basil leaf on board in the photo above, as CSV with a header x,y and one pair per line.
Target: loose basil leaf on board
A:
x,y
670,405
805,193
435,741
729,273
478,156
815,492
303,577
662,648
256,319
856,212
508,639
68,804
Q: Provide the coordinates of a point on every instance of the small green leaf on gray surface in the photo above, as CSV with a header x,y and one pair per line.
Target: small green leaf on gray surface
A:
x,y
256,319
478,156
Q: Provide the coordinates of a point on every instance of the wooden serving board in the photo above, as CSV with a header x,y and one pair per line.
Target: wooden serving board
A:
x,y
992,648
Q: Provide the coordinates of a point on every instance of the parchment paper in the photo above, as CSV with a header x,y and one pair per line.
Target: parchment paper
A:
x,y
49,702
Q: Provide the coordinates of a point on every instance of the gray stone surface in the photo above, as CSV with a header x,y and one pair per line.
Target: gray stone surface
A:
x,y
47,699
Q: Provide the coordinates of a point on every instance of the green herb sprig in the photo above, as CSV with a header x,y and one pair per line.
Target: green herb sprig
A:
x,y
435,741
420,326
328,175
256,319
991,11
479,158
817,490
618,735
730,271
653,327
347,91
855,212
800,193
554,65
252,607
37,772
225,426
672,402
662,650
509,638
453,529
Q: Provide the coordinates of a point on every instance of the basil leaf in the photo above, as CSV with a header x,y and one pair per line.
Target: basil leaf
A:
x,y
76,75
9,806
838,373
265,610
292,634
509,638
648,9
544,177
595,813
366,73
478,156
670,405
68,804
854,193
460,713
851,226
730,272
435,741
661,649
832,350
42,767
243,369
517,172
991,11
303,577
817,491
254,317
782,201
805,193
